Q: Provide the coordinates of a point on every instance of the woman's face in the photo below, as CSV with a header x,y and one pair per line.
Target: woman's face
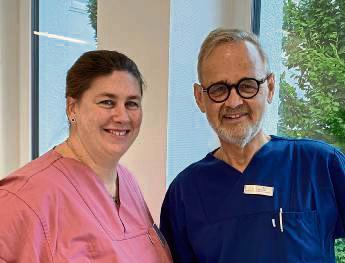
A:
x,y
108,115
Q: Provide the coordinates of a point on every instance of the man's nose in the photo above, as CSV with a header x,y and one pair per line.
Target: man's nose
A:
x,y
234,99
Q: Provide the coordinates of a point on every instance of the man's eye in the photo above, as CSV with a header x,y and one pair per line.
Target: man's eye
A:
x,y
218,90
248,86
132,104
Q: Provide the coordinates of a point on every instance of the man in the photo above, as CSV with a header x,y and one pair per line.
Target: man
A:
x,y
256,198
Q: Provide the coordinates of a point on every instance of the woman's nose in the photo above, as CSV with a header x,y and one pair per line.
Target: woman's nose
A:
x,y
120,113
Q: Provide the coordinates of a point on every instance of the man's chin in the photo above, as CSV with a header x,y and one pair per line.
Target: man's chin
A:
x,y
238,141
237,137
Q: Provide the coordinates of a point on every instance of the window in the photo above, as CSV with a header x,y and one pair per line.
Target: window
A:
x,y
308,38
63,30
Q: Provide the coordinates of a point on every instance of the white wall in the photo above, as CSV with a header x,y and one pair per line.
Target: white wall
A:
x,y
163,38
9,86
140,29
24,95
151,32
189,135
14,84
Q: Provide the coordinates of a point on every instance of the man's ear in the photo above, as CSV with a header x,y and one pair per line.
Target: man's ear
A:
x,y
71,105
198,97
271,87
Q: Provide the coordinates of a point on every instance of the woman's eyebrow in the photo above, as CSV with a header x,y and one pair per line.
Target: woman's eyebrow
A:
x,y
134,97
113,96
106,94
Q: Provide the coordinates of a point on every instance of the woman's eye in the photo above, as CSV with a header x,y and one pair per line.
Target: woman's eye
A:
x,y
132,104
108,103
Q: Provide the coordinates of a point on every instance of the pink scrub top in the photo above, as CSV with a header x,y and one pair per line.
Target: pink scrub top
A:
x,y
55,209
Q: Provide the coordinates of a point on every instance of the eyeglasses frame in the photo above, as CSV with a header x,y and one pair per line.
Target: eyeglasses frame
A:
x,y
236,86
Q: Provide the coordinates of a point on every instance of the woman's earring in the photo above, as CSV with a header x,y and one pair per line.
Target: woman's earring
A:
x,y
72,120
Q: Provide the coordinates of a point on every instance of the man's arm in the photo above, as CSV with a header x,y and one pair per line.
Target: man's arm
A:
x,y
338,179
173,227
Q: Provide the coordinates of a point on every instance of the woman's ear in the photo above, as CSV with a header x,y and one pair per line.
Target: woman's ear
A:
x,y
198,97
71,105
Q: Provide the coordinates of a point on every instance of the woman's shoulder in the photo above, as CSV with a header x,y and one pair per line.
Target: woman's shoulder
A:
x,y
33,184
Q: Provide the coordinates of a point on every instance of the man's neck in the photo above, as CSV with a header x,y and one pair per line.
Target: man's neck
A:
x,y
239,157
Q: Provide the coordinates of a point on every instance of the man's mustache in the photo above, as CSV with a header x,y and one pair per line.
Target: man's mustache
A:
x,y
238,110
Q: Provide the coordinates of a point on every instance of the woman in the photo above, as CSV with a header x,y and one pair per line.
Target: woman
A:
x,y
76,203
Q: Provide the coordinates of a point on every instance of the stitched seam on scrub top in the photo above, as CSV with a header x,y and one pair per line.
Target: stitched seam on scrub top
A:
x,y
91,211
42,223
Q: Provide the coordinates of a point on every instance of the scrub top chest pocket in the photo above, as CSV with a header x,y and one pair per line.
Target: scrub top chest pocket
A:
x,y
297,224
299,236
256,227
294,236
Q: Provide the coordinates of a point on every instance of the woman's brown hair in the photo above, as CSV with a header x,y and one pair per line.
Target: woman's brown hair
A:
x,y
94,64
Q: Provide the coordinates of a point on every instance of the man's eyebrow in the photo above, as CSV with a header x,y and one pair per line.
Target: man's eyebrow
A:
x,y
229,83
219,82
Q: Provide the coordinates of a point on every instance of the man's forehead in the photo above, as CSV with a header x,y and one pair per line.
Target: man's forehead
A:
x,y
231,50
238,57
227,48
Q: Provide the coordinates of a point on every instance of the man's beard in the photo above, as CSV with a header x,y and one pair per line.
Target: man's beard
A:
x,y
240,134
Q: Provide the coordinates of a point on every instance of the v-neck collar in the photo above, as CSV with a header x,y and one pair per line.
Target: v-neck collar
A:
x,y
262,151
94,194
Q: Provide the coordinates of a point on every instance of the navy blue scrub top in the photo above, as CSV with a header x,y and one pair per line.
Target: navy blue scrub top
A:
x,y
206,217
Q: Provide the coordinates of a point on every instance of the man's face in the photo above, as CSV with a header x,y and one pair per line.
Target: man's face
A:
x,y
236,120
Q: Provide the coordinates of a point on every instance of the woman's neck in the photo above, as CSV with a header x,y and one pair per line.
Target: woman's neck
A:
x,y
103,168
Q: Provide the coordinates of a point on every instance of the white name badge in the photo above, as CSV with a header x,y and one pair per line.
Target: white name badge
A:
x,y
258,190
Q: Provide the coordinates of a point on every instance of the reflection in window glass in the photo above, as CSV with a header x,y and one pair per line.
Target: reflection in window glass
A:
x,y
66,30
312,79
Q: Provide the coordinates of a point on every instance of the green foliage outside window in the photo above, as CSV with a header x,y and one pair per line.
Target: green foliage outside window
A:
x,y
314,48
314,54
92,11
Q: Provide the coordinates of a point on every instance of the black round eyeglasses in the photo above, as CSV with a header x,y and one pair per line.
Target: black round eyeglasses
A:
x,y
246,88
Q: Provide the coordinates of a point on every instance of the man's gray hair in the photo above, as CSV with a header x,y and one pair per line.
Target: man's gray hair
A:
x,y
223,35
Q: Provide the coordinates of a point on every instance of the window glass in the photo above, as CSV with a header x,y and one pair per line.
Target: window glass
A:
x,y
270,37
311,69
66,30
313,81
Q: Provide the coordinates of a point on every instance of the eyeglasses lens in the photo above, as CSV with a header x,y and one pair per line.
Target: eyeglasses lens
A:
x,y
218,92
248,88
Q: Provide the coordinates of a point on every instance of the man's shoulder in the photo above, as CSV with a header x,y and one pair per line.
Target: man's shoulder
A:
x,y
189,174
305,145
